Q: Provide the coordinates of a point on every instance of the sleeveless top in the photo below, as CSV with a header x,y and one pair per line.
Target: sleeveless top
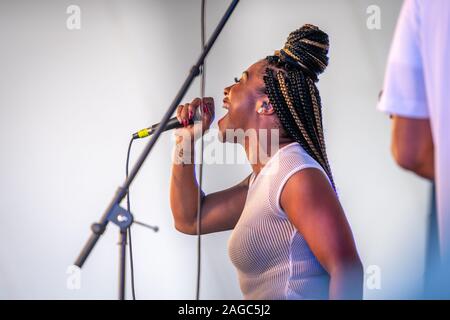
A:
x,y
272,258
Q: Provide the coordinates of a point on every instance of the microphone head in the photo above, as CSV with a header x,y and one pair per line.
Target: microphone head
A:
x,y
171,124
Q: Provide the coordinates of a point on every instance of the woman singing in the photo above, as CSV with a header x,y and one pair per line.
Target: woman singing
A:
x,y
290,238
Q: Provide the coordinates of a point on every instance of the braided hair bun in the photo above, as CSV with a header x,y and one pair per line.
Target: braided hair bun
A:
x,y
305,48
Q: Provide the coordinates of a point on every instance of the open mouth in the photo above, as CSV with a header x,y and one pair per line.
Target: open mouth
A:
x,y
225,104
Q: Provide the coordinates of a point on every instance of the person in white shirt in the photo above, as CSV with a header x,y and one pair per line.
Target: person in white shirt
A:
x,y
416,94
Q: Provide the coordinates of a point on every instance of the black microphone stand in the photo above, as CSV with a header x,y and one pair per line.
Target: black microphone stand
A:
x,y
114,212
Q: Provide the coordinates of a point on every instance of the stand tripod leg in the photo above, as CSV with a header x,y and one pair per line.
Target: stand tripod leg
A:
x,y
122,262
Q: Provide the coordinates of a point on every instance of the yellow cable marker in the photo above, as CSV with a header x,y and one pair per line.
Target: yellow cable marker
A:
x,y
143,133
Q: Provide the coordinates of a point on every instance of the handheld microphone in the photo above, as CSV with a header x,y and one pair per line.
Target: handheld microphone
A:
x,y
171,124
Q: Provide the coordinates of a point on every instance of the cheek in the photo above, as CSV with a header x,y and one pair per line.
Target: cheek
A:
x,y
243,100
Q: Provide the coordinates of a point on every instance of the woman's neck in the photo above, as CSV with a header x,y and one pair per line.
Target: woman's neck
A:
x,y
259,151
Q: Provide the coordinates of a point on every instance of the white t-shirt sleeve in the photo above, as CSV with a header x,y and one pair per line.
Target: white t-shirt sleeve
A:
x,y
404,91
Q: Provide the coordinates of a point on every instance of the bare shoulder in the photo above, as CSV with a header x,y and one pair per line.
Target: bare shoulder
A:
x,y
308,189
308,182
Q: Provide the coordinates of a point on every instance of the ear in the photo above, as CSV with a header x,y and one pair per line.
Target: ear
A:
x,y
264,107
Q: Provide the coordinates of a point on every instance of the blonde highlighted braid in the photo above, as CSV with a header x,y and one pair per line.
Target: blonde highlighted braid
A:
x,y
290,85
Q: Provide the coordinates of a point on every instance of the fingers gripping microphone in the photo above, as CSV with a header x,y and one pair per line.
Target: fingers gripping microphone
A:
x,y
171,124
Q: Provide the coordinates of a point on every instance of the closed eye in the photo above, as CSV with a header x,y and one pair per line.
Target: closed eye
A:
x,y
244,75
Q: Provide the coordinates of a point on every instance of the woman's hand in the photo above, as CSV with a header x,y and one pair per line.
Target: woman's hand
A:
x,y
186,112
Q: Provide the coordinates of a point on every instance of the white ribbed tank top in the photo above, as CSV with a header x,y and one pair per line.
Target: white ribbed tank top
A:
x,y
272,258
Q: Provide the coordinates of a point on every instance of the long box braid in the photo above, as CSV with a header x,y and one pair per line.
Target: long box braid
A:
x,y
290,85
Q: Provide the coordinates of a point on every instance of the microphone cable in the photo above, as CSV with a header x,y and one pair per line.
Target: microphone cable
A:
x,y
200,177
129,228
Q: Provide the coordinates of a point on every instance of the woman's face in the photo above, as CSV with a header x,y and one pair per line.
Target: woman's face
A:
x,y
242,100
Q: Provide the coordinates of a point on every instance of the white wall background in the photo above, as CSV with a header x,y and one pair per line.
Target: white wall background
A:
x,y
69,101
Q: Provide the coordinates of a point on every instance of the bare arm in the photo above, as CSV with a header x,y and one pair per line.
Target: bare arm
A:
x,y
412,145
313,208
221,210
